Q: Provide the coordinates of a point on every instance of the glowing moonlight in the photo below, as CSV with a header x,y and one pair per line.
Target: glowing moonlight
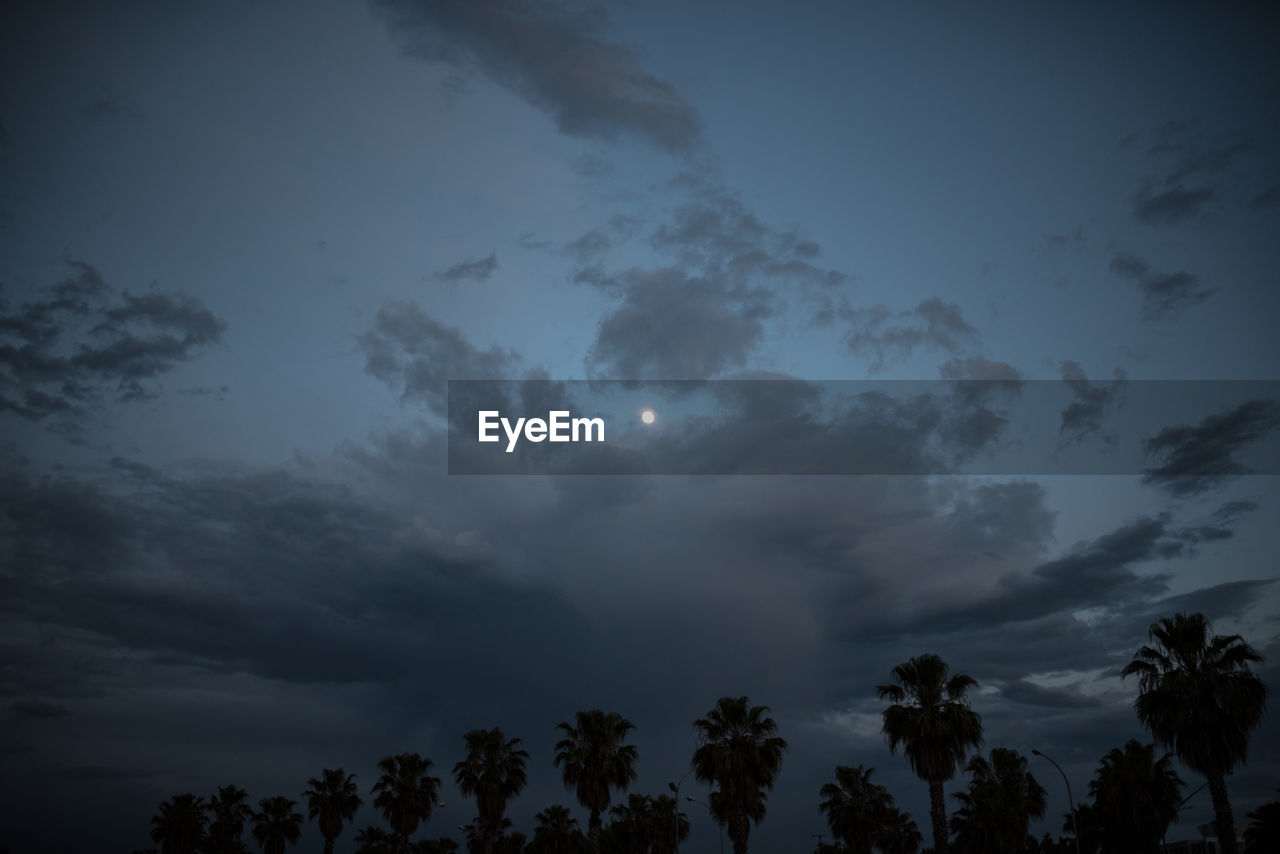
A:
x,y
648,416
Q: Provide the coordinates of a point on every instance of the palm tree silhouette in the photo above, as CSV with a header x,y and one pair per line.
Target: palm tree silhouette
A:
x,y
405,793
374,840
741,753
995,814
1198,695
493,771
276,825
557,832
595,761
179,826
900,836
931,719
857,809
332,799
1262,836
230,811
1135,797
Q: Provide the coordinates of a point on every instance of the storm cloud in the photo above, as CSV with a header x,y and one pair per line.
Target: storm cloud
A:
x,y
84,345
556,59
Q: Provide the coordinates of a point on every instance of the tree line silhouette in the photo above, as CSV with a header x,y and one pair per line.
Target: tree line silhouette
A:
x,y
1198,696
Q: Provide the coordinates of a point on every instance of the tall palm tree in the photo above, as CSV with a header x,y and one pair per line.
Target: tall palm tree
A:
x,y
230,811
595,761
557,832
741,752
332,799
1199,696
857,809
931,719
493,771
276,825
995,814
1136,797
179,826
405,793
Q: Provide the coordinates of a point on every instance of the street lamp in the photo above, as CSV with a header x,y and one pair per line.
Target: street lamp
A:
x,y
692,799
1070,801
675,788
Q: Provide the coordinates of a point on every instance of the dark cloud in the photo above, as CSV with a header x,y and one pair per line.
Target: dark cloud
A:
x,y
671,325
704,314
416,354
529,241
590,245
1197,458
982,369
1185,153
555,58
1169,206
1094,401
1029,693
62,357
38,709
1225,601
1165,295
877,333
1101,572
592,167
1268,199
715,232
1060,242
1193,160
473,269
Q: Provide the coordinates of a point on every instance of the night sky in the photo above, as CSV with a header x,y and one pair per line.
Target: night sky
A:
x,y
244,246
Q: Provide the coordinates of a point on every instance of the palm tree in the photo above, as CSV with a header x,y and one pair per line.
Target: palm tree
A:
x,y
930,717
669,827
1198,695
405,792
179,826
595,761
230,811
995,814
557,833
645,825
1136,797
443,845
276,825
900,836
857,809
484,833
374,840
493,771
741,753
332,799
1263,834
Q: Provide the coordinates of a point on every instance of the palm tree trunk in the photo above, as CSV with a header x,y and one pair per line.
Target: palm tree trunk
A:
x,y
739,829
1223,822
593,832
328,845
938,813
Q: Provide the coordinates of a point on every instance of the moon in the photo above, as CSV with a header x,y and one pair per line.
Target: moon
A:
x,y
648,416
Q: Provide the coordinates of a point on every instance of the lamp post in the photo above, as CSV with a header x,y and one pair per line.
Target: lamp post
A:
x,y
675,788
713,815
1070,801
